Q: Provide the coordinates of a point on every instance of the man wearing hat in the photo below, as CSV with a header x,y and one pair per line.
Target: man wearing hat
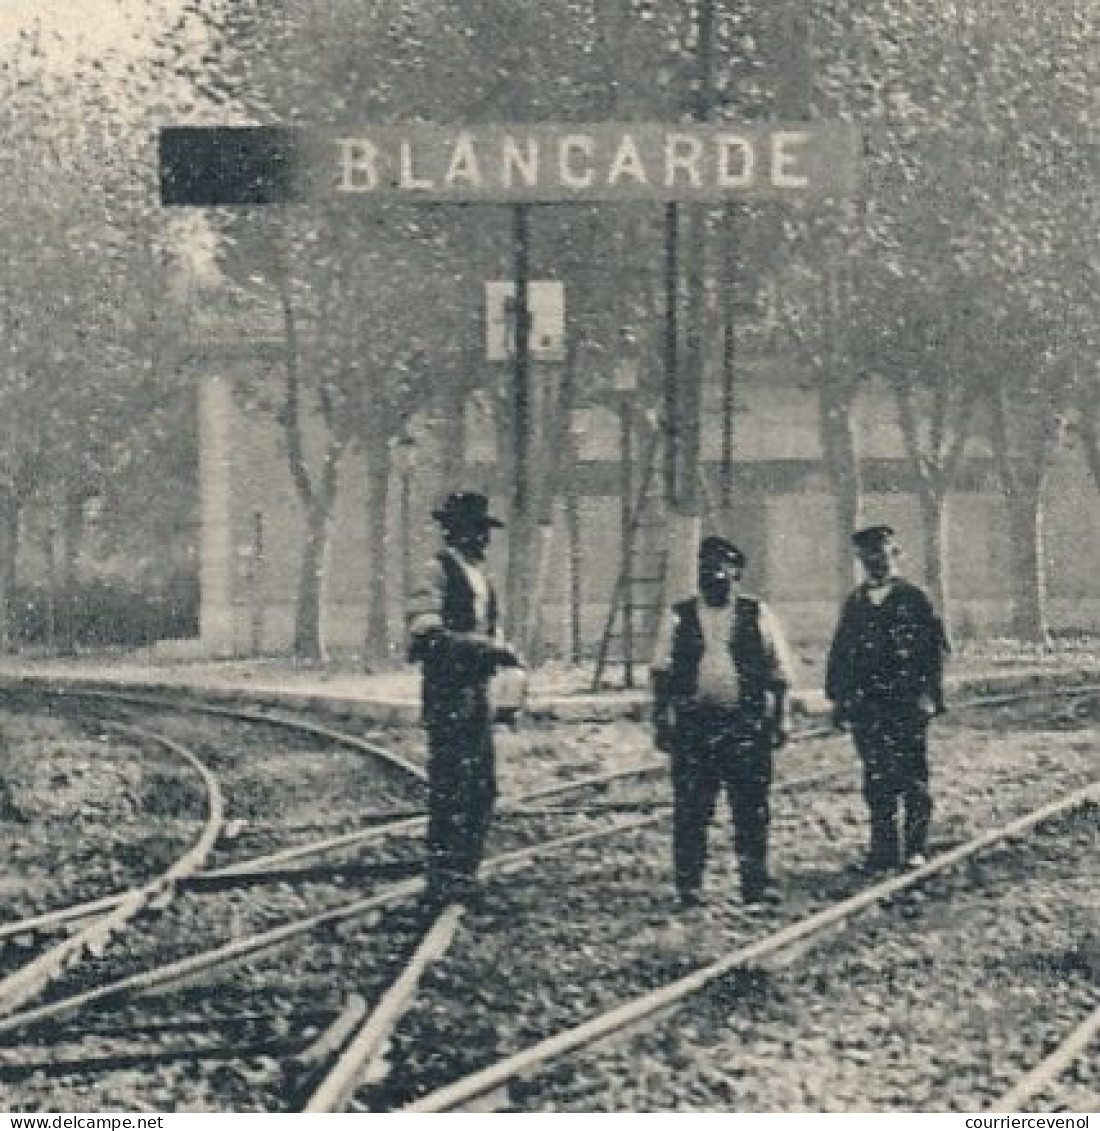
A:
x,y
721,678
454,636
885,680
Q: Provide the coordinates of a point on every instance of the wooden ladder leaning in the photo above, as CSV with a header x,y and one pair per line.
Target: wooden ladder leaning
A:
x,y
636,599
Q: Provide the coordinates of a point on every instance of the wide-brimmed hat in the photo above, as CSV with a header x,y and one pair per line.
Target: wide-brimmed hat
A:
x,y
466,509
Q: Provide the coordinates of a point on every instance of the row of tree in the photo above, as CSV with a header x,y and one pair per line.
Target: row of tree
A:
x,y
965,277
92,308
961,277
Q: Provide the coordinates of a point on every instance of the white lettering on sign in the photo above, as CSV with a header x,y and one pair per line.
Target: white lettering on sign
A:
x,y
683,153
570,145
358,172
784,161
609,161
525,164
627,162
408,178
736,161
464,164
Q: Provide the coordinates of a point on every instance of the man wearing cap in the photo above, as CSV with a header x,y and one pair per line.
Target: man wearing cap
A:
x,y
454,636
885,680
721,677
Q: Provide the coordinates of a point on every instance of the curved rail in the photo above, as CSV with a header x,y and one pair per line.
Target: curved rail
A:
x,y
48,920
516,804
188,969
499,1075
287,722
18,987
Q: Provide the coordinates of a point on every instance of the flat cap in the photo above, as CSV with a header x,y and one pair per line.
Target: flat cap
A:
x,y
871,536
714,548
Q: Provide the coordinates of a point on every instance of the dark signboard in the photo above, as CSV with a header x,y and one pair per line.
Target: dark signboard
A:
x,y
625,161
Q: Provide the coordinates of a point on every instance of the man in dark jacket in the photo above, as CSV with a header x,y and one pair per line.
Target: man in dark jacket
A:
x,y
721,676
885,680
454,636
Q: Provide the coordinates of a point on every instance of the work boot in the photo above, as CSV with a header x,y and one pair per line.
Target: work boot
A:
x,y
756,887
884,853
10,813
688,898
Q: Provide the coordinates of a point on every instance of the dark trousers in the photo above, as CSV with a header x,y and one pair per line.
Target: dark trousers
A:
x,y
715,749
461,791
892,742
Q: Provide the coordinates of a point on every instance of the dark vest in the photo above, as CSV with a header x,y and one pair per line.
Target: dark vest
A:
x,y
458,599
456,678
746,646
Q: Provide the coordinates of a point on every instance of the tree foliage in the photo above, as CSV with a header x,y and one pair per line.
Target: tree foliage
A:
x,y
87,316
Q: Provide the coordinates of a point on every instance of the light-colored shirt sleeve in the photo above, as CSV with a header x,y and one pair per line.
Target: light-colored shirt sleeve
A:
x,y
426,602
777,652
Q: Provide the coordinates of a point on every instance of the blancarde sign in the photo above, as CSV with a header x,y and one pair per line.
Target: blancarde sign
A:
x,y
515,163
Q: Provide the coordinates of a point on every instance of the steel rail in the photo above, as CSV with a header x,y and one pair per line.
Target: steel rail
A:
x,y
187,969
287,722
227,1052
496,1076
48,920
335,1091
1045,1074
51,919
23,984
335,1037
506,863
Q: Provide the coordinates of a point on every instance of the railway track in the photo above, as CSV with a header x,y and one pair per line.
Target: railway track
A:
x,y
67,942
24,983
797,937
172,975
337,1042
532,804
491,1087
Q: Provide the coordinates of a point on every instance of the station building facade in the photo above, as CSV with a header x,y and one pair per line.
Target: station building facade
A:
x,y
252,521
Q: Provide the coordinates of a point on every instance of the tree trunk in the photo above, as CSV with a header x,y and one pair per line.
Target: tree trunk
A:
x,y
9,549
1090,434
555,429
934,522
307,620
72,538
1023,482
377,644
452,440
576,547
838,444
318,498
1029,611
935,467
49,548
